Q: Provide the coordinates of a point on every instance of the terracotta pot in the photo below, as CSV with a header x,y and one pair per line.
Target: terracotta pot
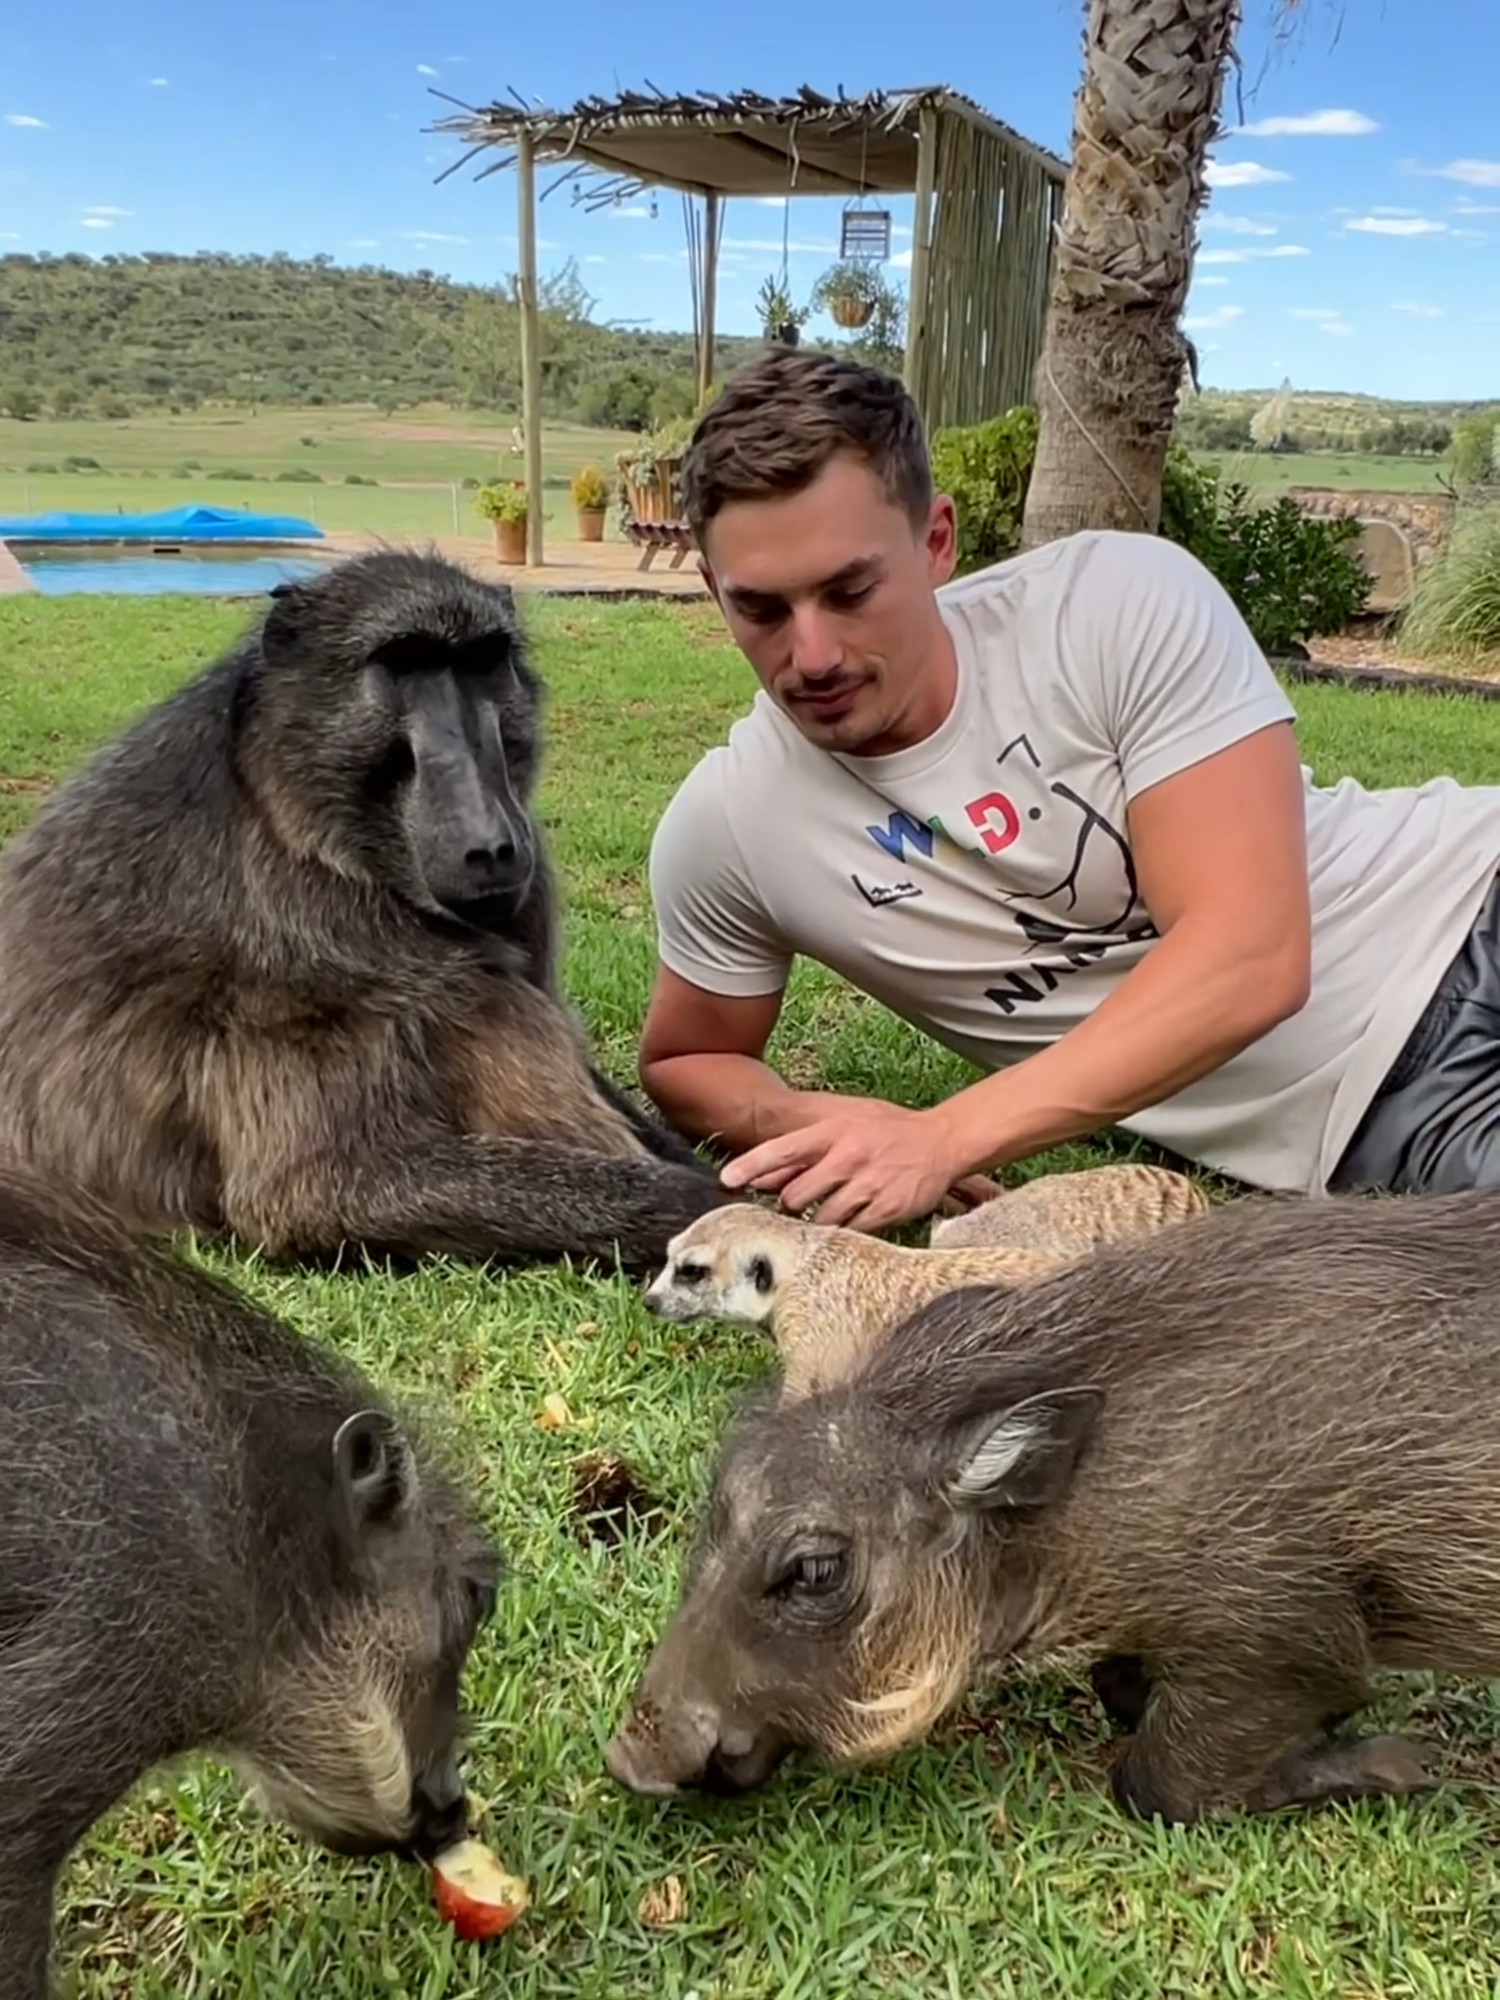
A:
x,y
591,524
510,541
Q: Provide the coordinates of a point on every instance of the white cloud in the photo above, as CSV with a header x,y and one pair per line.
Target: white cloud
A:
x,y
901,261
1464,206
1338,326
1219,316
1313,124
1284,250
1394,211
629,211
365,243
661,256
97,222
769,200
1417,311
112,212
25,120
1396,225
426,69
1473,173
1314,312
595,260
430,236
1242,174
1210,281
1222,257
160,83
1239,225
10,235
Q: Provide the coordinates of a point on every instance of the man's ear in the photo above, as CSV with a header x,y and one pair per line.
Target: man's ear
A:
x,y
1023,1455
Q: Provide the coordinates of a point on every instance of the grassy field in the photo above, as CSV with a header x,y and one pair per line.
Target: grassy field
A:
x,y
417,457
988,1863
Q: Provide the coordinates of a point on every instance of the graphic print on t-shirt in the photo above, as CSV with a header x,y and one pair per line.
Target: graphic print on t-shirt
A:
x,y
1096,868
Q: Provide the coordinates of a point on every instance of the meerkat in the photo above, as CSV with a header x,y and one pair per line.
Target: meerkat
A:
x,y
1075,1212
825,1294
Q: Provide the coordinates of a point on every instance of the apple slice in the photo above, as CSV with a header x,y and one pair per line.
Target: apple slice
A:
x,y
474,1893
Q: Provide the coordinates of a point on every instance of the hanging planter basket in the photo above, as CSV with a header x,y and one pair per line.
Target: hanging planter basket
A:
x,y
851,312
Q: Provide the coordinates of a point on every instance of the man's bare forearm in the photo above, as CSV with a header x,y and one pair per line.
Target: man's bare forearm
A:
x,y
734,1101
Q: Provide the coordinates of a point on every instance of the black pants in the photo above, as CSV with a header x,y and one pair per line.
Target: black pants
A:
x,y
1434,1125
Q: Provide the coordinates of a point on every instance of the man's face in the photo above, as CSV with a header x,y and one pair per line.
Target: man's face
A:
x,y
829,595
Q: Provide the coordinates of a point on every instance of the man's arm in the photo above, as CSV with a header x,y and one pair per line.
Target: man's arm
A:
x,y
1220,856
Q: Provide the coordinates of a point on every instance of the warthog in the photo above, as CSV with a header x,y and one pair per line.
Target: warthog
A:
x,y
1235,1467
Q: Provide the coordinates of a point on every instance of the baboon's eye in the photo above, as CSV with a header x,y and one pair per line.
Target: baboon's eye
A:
x,y
394,767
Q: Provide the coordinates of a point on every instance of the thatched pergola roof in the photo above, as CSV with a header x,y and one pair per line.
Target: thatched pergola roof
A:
x,y
736,144
986,204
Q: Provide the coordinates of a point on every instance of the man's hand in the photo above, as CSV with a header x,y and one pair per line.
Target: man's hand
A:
x,y
866,1165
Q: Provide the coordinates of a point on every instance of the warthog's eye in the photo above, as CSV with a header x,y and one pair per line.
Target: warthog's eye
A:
x,y
818,1575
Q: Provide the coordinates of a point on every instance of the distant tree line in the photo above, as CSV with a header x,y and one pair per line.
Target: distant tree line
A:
x,y
113,336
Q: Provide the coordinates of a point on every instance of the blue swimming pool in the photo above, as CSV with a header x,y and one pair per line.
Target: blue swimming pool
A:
x,y
207,572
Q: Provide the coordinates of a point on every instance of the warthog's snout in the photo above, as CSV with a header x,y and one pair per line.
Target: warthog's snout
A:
x,y
658,1754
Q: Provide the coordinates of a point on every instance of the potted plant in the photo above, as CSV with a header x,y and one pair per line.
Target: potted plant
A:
x,y
780,320
848,292
590,491
648,474
506,503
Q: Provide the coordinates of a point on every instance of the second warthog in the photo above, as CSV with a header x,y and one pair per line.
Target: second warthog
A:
x,y
1236,1468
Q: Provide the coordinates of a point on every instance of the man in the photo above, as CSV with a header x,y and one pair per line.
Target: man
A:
x,y
1053,814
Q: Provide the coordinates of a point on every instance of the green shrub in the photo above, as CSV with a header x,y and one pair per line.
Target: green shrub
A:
x,y
1291,577
985,469
360,479
301,475
1455,601
233,472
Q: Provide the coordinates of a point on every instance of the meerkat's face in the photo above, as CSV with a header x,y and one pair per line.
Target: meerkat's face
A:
x,y
728,1265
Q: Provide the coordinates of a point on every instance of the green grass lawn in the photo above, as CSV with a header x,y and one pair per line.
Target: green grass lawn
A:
x,y
988,1864
1268,473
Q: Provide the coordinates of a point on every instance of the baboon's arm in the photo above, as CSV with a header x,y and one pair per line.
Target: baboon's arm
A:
x,y
478,1198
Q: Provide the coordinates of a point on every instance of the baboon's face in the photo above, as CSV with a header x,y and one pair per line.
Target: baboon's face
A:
x,y
360,1745
731,1265
849,1577
402,721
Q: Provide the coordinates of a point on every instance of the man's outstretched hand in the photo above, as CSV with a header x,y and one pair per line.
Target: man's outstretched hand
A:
x,y
866,1165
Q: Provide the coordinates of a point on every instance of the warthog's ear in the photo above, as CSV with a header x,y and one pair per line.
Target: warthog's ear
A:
x,y
1023,1455
375,1481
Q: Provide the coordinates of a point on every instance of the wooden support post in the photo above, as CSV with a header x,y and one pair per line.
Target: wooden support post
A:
x,y
712,209
531,368
917,299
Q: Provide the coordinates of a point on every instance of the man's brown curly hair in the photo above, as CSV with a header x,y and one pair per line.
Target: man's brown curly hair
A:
x,y
779,421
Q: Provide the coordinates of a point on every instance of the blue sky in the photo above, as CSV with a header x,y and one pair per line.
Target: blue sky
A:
x,y
1352,239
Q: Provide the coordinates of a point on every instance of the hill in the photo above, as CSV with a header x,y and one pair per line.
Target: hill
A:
x,y
118,336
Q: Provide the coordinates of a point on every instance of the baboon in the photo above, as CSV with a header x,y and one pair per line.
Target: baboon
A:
x,y
1235,1467
213,1536
280,961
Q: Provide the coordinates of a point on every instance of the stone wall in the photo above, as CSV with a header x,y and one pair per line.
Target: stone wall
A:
x,y
1400,533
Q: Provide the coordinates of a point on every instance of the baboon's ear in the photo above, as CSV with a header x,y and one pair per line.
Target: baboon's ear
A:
x,y
1023,1455
374,1477
283,621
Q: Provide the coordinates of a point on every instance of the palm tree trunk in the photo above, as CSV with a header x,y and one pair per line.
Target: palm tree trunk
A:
x,y
1112,360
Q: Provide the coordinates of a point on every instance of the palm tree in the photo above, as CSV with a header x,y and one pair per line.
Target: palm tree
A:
x,y
1113,357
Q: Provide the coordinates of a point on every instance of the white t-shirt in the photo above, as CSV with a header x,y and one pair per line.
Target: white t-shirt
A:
x,y
980,883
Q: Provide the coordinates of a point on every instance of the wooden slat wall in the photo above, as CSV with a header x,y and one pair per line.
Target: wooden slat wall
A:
x,y
987,277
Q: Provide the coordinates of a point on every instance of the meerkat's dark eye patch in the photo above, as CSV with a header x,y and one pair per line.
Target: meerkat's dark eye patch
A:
x,y
761,1274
